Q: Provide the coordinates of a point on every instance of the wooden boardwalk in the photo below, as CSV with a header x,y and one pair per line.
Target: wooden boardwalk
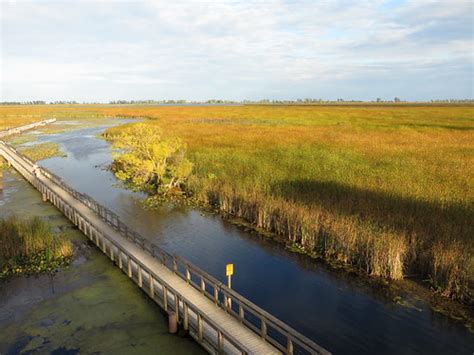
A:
x,y
220,319
17,130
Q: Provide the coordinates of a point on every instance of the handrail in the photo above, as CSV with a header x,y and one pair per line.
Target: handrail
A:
x,y
223,296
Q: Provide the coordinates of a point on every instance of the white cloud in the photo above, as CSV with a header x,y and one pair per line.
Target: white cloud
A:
x,y
226,49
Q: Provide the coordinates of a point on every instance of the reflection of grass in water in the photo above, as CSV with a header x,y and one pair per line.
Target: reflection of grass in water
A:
x,y
43,151
29,246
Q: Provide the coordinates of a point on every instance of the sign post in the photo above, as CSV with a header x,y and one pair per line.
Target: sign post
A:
x,y
229,271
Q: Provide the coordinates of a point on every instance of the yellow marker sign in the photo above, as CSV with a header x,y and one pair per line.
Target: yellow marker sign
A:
x,y
229,270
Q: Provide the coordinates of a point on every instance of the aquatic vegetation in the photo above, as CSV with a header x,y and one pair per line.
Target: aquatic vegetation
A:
x,y
42,151
30,246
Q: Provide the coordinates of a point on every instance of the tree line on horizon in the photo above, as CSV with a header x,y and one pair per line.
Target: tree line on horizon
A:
x,y
230,102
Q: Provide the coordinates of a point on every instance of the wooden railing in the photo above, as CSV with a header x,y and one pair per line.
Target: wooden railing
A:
x,y
268,327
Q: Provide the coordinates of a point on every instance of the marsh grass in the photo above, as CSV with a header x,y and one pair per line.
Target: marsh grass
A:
x,y
43,151
30,246
385,189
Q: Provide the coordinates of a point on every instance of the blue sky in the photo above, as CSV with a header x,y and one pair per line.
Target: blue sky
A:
x,y
196,50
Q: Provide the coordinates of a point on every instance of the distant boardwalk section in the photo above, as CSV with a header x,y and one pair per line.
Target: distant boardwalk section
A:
x,y
16,130
220,319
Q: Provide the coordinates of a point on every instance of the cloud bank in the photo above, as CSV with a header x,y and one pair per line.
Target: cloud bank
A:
x,y
105,50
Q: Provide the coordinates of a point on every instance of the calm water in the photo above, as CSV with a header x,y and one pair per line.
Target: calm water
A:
x,y
337,311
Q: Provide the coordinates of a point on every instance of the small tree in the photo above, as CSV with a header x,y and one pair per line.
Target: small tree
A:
x,y
147,162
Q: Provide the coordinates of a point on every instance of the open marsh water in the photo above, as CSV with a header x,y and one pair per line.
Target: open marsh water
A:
x,y
338,311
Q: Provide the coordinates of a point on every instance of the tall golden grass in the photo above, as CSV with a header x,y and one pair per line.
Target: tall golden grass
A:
x,y
386,189
30,246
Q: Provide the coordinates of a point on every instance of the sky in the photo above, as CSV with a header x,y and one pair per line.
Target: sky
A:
x,y
235,50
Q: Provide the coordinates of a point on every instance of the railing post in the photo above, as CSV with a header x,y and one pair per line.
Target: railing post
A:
x,y
241,312
175,264
220,342
199,326
216,295
185,316
263,329
140,277
120,258
111,252
203,286
188,275
152,285
165,297
289,348
129,266
176,306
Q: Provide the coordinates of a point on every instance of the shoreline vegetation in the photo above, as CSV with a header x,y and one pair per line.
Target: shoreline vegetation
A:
x,y
384,189
29,246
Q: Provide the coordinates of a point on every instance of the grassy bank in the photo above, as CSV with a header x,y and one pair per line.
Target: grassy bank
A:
x,y
386,189
30,246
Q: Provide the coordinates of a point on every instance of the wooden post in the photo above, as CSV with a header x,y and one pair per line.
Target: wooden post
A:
x,y
129,267
152,285
140,276
175,265
264,329
120,259
199,326
172,322
185,316
176,306
188,275
203,286
165,298
289,348
220,342
45,198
